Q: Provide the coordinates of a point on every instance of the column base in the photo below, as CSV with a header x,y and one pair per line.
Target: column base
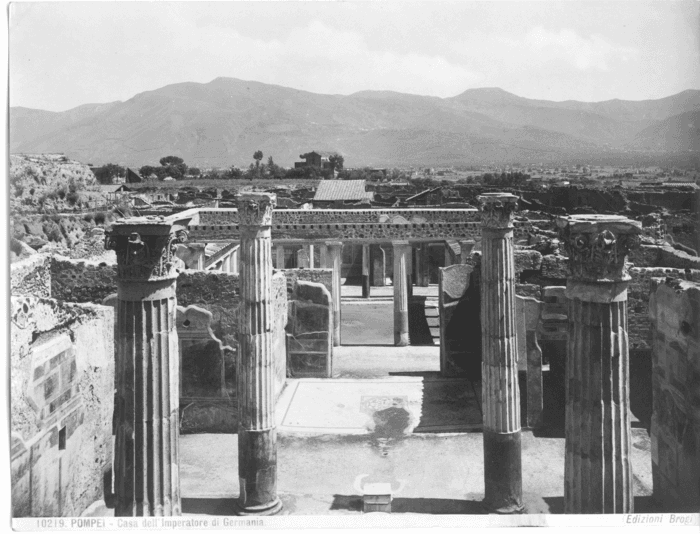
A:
x,y
365,286
504,510
401,341
270,508
503,473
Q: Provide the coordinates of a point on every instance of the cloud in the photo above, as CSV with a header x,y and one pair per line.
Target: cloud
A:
x,y
326,59
583,53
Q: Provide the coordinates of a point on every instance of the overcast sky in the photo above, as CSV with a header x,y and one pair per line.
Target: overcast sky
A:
x,y
66,54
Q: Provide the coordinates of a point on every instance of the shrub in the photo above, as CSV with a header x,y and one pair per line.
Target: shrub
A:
x,y
100,217
88,217
53,233
72,198
15,246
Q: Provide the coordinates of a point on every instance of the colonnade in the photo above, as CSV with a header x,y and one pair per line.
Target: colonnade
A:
x,y
598,474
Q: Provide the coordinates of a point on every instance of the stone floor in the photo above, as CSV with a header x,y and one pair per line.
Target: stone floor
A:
x,y
428,447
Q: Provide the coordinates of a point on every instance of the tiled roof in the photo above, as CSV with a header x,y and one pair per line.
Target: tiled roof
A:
x,y
342,190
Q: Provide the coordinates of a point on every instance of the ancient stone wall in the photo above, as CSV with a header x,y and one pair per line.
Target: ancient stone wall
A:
x,y
82,280
639,322
31,276
319,276
62,399
309,301
218,293
675,426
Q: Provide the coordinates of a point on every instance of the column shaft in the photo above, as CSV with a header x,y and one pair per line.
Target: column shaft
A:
x,y
146,455
500,392
257,440
401,250
365,271
335,250
598,469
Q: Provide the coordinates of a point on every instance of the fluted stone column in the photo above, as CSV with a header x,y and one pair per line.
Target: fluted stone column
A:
x,y
146,458
500,392
335,258
257,439
365,271
401,251
598,469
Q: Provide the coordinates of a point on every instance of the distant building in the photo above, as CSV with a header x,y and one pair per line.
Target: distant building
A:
x,y
315,159
132,177
340,193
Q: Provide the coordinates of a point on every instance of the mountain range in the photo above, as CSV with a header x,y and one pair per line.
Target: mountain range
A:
x,y
221,123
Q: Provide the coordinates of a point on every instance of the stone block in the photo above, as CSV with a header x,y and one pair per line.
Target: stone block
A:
x,y
554,266
527,260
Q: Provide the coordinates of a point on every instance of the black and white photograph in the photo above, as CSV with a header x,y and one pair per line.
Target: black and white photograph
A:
x,y
352,264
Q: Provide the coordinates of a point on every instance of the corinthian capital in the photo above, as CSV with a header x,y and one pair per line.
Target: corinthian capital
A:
x,y
497,209
145,248
598,245
255,209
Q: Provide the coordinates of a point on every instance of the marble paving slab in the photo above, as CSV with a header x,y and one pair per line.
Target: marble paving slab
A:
x,y
346,406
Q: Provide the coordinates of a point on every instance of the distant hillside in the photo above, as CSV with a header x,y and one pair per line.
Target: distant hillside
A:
x,y
680,132
223,122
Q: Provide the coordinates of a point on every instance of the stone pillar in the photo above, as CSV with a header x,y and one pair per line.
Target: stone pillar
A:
x,y
409,271
425,260
302,258
279,249
311,256
598,469
500,392
379,267
323,256
146,457
365,271
335,258
419,264
401,250
257,439
235,260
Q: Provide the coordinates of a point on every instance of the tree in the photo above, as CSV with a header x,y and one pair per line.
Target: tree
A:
x,y
274,170
107,173
174,166
171,160
336,161
194,171
257,156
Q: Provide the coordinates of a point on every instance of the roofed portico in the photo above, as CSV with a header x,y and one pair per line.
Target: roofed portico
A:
x,y
418,226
